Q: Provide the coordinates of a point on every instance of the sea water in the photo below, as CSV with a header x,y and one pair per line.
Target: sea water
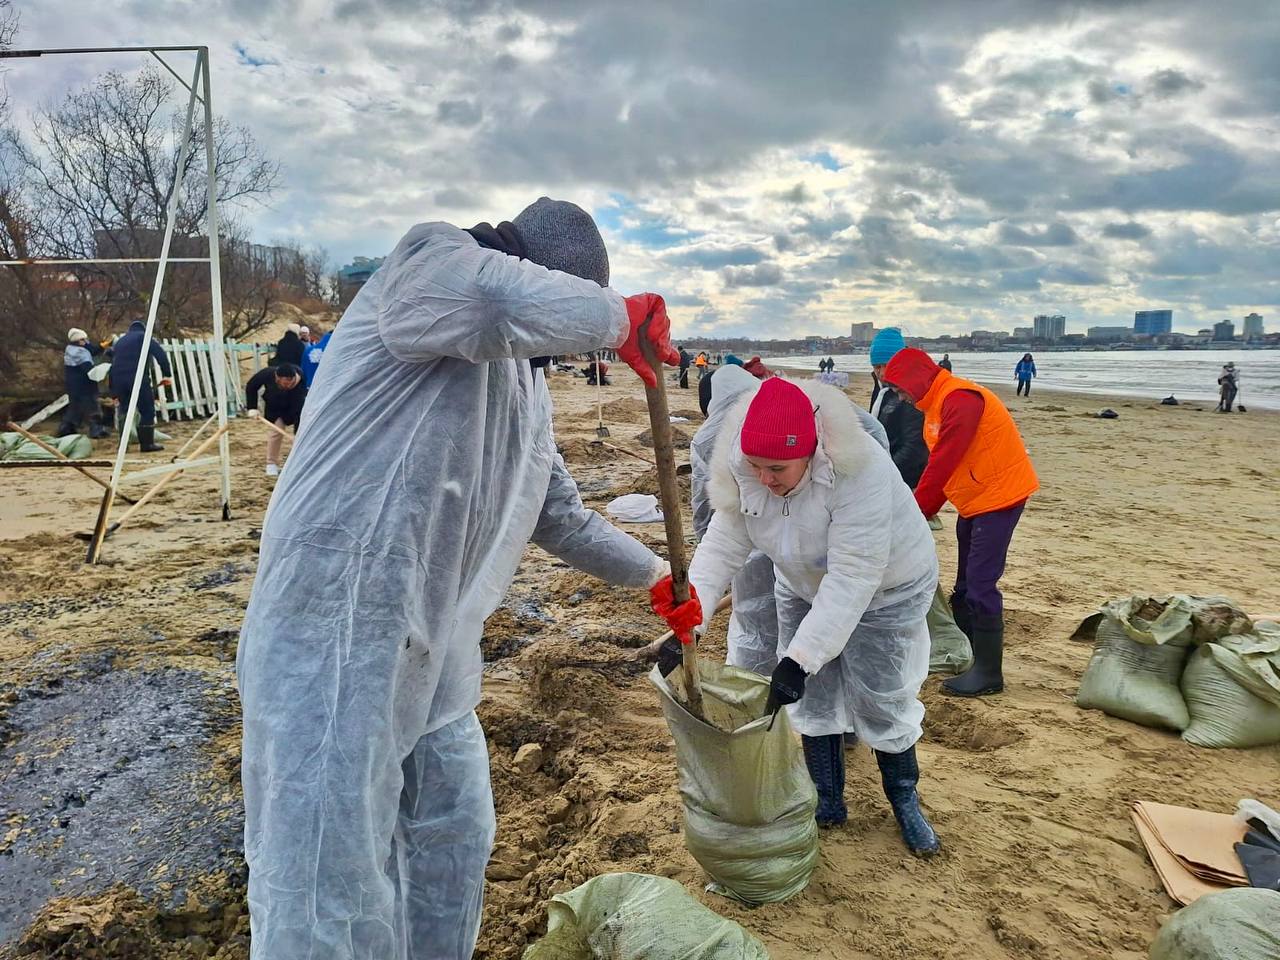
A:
x,y
1153,374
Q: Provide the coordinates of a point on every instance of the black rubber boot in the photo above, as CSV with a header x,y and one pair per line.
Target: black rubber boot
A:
x,y
147,439
899,774
824,756
986,676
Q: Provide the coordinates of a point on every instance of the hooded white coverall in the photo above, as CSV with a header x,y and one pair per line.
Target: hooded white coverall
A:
x,y
856,569
424,465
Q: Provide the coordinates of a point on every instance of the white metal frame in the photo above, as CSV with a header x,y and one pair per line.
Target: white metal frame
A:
x,y
199,83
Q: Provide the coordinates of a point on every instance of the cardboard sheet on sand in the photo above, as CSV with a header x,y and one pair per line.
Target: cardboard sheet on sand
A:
x,y
1192,850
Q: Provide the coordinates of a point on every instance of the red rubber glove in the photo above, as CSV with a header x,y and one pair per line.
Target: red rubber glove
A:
x,y
680,617
649,306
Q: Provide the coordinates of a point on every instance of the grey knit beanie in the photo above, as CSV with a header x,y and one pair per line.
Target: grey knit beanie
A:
x,y
562,236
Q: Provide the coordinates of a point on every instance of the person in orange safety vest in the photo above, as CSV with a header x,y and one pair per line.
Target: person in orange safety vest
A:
x,y
978,462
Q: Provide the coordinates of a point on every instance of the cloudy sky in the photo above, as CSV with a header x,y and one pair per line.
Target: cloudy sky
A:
x,y
772,168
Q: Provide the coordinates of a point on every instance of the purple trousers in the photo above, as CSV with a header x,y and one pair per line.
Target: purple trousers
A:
x,y
984,547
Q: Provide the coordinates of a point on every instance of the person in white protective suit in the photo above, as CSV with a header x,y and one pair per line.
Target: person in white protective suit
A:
x,y
796,476
424,466
753,621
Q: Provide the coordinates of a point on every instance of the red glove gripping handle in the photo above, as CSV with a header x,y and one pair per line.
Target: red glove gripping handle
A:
x,y
681,618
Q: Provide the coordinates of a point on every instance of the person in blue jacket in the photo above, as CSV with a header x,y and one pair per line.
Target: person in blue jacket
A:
x,y
311,355
126,365
1023,372
82,393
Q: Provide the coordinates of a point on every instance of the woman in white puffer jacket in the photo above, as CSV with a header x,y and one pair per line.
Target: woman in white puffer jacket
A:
x,y
795,475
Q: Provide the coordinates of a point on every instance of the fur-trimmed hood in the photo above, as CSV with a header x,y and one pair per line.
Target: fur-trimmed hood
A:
x,y
844,446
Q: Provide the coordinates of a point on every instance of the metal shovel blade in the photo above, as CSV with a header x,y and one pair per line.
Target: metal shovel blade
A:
x,y
602,431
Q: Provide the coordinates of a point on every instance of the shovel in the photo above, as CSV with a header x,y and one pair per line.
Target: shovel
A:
x,y
664,452
601,430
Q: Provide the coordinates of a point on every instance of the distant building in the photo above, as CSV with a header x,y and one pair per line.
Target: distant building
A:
x,y
1152,323
1023,333
1051,328
1253,327
354,276
1204,332
1224,331
862,333
1109,333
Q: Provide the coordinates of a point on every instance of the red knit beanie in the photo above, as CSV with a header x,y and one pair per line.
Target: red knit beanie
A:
x,y
780,423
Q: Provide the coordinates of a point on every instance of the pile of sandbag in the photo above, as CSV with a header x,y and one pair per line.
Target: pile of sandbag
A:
x,y
1242,924
14,446
634,916
1198,665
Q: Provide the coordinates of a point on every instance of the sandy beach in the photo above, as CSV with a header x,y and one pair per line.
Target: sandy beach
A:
x,y
1030,794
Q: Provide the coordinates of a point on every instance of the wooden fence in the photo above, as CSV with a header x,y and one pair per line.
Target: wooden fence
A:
x,y
193,394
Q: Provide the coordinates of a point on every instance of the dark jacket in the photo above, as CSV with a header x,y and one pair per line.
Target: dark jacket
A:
x,y
289,350
905,426
282,404
126,355
77,361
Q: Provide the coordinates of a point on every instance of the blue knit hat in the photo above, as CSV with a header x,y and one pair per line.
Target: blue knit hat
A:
x,y
886,343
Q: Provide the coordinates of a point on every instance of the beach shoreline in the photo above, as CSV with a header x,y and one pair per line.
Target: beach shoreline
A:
x,y
1030,794
860,385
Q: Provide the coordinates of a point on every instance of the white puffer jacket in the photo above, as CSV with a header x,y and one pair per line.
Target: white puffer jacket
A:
x,y
848,539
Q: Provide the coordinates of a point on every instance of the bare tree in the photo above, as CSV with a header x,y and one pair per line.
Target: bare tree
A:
x,y
102,168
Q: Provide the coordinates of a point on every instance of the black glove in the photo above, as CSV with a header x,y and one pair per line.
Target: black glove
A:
x,y
670,655
786,686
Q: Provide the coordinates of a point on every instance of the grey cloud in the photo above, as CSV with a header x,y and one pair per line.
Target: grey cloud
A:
x,y
1054,235
1126,231
762,275
460,113
1170,83
797,194
1076,276
707,257
1100,91
455,198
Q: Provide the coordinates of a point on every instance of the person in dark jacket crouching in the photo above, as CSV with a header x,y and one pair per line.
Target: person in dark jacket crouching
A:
x,y
285,394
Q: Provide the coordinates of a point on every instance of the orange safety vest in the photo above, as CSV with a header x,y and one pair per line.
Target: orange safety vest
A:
x,y
996,471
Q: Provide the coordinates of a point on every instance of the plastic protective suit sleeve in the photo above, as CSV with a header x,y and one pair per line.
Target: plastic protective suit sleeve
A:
x,y
859,540
721,554
872,426
753,624
589,542
872,686
445,296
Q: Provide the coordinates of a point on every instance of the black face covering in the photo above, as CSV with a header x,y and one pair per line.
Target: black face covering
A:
x,y
505,238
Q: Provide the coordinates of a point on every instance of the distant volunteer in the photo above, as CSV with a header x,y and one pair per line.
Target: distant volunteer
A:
x,y
128,365
796,476
285,394
425,464
82,390
902,421
978,462
311,357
